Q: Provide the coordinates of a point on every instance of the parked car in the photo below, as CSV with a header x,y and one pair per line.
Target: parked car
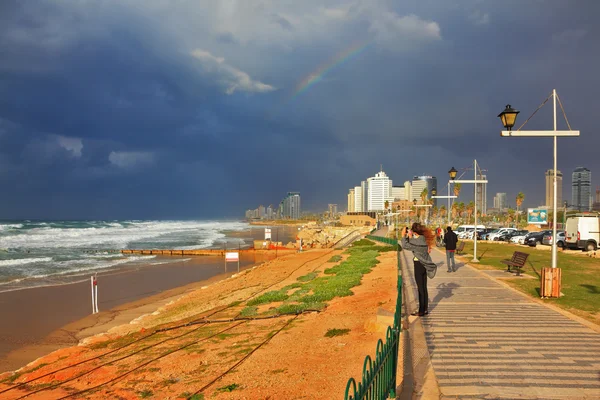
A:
x,y
560,239
506,236
482,233
519,237
495,235
583,231
535,238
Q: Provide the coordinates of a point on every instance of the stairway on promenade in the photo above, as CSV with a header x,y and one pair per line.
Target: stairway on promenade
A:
x,y
486,340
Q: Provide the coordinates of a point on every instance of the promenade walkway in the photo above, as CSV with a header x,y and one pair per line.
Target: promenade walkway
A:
x,y
483,339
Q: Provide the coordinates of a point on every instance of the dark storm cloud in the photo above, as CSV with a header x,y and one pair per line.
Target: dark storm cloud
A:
x,y
144,110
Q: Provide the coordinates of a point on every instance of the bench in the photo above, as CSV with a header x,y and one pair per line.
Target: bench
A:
x,y
517,261
460,247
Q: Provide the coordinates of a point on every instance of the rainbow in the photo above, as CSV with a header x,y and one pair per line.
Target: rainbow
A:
x,y
335,61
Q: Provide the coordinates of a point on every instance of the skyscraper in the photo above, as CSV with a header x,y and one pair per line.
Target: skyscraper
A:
x,y
500,201
358,201
350,200
424,182
581,183
380,191
550,188
291,205
482,195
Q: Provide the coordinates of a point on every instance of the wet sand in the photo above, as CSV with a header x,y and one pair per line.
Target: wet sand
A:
x,y
39,320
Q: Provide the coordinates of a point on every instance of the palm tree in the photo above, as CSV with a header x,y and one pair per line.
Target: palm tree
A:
x,y
424,196
386,204
461,209
470,208
457,187
510,215
443,211
454,210
519,200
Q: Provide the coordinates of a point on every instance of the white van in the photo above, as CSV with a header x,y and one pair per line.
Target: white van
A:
x,y
583,231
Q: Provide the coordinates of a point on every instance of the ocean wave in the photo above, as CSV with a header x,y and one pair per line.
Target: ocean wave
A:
x,y
23,261
10,226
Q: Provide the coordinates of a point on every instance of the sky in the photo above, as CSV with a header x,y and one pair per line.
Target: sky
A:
x,y
157,109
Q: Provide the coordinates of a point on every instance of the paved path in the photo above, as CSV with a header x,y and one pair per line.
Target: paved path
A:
x,y
486,340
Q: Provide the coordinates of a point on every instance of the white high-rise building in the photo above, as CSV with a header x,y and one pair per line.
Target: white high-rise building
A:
x,y
358,201
350,200
407,191
417,188
380,188
365,195
398,192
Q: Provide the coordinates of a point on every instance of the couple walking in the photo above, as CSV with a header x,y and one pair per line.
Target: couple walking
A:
x,y
419,239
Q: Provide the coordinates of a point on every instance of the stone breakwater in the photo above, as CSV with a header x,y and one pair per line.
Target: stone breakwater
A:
x,y
323,237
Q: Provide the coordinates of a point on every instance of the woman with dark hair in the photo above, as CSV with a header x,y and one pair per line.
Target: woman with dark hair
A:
x,y
420,240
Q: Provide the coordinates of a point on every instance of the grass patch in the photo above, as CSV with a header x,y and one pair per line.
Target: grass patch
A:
x,y
269,297
145,394
296,308
186,395
228,388
17,375
363,242
335,259
308,277
336,332
249,311
580,275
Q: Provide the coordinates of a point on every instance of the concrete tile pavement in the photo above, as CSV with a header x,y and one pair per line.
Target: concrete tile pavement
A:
x,y
485,340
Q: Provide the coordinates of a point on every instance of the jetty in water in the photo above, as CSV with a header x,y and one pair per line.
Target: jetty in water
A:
x,y
209,252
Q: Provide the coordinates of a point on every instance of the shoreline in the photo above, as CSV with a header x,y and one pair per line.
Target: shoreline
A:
x,y
52,317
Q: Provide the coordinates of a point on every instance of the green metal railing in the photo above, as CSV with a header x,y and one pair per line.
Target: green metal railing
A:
x,y
379,376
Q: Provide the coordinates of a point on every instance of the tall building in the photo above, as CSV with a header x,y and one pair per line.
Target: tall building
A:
x,y
380,188
358,199
364,185
332,210
596,204
424,182
500,201
581,183
291,205
482,195
262,212
398,193
270,211
550,188
350,200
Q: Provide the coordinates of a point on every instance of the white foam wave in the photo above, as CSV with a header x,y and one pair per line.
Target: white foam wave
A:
x,y
10,226
117,236
23,261
93,267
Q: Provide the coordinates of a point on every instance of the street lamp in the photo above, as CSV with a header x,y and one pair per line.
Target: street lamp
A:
x,y
508,118
475,181
452,173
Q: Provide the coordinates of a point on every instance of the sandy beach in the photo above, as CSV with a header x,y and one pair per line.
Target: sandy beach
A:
x,y
38,320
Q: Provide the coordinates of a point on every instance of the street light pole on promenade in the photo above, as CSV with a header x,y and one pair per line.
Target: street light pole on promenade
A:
x,y
508,117
475,181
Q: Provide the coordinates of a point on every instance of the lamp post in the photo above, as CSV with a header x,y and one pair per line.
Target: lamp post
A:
x,y
508,118
475,181
452,173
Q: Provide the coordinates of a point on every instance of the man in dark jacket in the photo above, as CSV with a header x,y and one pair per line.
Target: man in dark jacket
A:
x,y
450,240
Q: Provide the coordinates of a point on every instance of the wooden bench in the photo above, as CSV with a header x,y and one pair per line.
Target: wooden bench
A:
x,y
460,247
517,261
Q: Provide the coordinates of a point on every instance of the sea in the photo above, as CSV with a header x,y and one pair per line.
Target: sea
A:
x,y
39,253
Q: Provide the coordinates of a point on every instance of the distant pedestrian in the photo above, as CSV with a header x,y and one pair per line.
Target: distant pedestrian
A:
x,y
419,240
450,240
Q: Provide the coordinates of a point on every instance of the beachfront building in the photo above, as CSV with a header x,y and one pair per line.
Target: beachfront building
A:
x,y
550,188
380,191
581,185
358,201
424,182
332,210
398,193
290,206
350,200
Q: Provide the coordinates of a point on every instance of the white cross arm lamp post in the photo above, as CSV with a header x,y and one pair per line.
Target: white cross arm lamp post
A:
x,y
508,117
475,181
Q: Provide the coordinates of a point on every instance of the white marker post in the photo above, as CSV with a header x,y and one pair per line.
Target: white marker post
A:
x,y
232,257
96,293
93,301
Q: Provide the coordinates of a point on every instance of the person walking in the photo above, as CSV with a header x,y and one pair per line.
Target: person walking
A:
x,y
419,240
450,240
